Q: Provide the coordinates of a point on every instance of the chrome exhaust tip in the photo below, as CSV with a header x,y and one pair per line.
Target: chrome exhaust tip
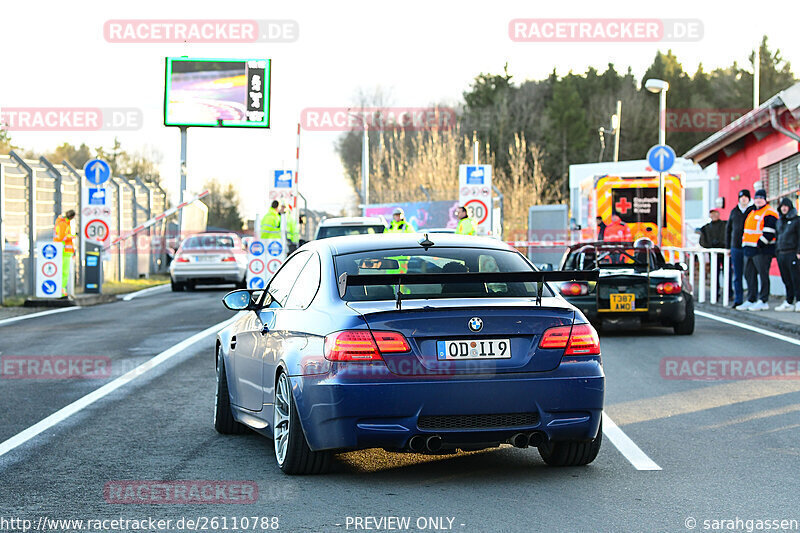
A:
x,y
434,443
537,438
416,443
519,440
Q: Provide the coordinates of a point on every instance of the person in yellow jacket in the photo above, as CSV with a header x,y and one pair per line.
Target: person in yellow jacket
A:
x,y
466,225
63,233
399,223
758,244
271,222
292,230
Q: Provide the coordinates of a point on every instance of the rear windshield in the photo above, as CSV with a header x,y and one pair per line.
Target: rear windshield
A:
x,y
436,261
590,258
209,241
342,231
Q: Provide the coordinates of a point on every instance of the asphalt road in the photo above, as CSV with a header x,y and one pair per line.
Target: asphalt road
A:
x,y
726,449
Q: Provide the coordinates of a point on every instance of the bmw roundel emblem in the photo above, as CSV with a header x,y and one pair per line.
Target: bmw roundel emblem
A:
x,y
475,324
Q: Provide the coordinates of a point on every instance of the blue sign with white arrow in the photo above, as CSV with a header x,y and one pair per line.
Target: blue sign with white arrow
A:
x,y
256,283
661,157
97,171
49,287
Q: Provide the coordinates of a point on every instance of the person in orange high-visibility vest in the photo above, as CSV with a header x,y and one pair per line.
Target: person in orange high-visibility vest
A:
x,y
63,233
758,244
616,230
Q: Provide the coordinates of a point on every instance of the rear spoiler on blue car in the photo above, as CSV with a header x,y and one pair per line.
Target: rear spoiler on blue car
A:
x,y
541,278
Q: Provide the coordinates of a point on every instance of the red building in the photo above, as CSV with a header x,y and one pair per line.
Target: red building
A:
x,y
761,146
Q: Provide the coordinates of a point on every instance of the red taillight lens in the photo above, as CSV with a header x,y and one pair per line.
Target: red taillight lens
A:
x,y
228,259
668,287
574,289
580,339
391,342
180,259
583,341
363,345
556,337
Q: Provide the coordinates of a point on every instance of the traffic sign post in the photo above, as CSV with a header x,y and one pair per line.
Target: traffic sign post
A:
x,y
95,220
660,157
475,193
264,257
49,263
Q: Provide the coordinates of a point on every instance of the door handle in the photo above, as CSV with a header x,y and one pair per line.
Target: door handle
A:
x,y
233,342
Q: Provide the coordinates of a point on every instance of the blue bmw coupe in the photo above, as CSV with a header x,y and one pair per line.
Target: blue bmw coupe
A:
x,y
411,343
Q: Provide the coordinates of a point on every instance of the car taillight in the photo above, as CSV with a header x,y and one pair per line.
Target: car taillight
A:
x,y
579,339
583,341
228,259
574,289
361,345
180,259
668,287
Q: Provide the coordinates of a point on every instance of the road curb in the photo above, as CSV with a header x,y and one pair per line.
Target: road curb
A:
x,y
81,300
751,318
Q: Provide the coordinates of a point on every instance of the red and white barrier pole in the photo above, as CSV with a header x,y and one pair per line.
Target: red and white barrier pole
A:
x,y
155,219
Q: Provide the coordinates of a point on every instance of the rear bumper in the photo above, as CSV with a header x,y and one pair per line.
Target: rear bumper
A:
x,y
209,273
344,411
666,310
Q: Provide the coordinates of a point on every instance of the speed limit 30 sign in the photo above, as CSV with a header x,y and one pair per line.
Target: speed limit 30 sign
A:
x,y
96,230
475,193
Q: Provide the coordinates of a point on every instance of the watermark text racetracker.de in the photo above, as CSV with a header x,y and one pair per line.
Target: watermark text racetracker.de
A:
x,y
604,30
71,118
718,368
377,118
55,367
141,523
200,31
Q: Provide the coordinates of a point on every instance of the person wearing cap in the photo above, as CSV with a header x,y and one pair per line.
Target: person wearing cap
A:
x,y
712,235
734,230
399,224
63,233
788,253
466,224
758,243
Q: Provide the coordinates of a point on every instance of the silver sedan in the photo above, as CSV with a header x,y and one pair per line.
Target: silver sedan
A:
x,y
209,259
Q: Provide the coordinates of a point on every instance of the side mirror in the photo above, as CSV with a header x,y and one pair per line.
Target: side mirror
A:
x,y
241,300
682,266
545,267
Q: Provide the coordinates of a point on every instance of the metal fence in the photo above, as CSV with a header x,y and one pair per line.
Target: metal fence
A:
x,y
33,193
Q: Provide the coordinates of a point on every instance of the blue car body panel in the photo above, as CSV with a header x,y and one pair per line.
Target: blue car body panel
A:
x,y
351,405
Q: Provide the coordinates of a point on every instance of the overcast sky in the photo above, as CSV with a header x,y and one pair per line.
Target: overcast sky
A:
x,y
420,52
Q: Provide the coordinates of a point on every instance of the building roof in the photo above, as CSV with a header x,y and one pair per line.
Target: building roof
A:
x,y
705,152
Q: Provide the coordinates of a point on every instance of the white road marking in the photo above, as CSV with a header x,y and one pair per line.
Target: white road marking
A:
x,y
749,327
626,446
34,315
81,403
144,292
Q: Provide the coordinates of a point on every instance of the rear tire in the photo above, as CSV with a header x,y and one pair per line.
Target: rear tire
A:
x,y
190,285
291,448
686,327
223,415
176,286
572,453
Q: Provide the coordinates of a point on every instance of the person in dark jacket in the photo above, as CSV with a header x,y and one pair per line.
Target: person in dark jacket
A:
x,y
788,253
712,235
733,241
601,228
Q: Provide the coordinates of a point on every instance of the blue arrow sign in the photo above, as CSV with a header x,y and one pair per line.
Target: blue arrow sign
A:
x,y
256,283
97,171
661,157
49,287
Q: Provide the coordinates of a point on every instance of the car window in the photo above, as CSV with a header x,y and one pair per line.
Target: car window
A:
x,y
306,286
283,281
341,231
436,261
209,241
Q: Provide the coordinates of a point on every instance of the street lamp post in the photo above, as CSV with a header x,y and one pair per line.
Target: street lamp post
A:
x,y
661,87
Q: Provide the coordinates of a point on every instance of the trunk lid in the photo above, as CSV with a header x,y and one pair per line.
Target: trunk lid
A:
x,y
425,323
